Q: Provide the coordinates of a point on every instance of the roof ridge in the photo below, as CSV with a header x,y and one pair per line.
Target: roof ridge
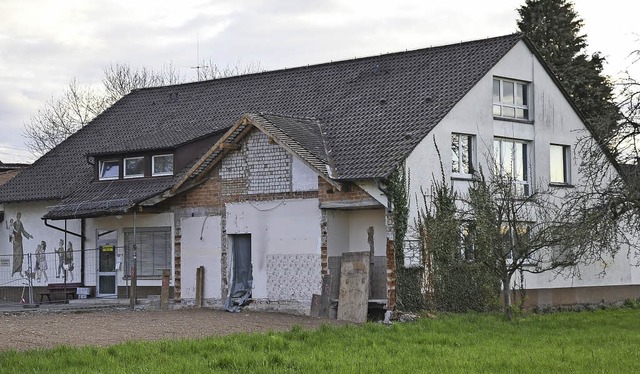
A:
x,y
337,62
288,116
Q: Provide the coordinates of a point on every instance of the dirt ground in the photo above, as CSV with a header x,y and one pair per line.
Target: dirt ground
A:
x,y
25,331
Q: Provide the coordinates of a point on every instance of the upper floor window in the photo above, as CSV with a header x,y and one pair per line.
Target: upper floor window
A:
x,y
462,154
559,162
134,167
109,169
510,99
162,165
512,159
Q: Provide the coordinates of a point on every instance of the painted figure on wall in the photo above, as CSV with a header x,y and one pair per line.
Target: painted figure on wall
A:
x,y
60,252
68,261
18,232
41,262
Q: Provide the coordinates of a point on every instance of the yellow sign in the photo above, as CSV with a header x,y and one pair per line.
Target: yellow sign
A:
x,y
107,248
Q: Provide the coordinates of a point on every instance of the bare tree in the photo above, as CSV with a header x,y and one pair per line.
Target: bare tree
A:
x,y
78,105
610,205
62,116
120,79
208,69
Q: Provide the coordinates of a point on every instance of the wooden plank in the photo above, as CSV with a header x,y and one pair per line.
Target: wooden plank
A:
x,y
199,286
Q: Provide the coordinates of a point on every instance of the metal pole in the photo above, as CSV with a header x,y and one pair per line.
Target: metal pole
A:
x,y
134,269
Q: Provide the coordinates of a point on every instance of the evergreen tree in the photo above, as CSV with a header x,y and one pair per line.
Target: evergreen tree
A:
x,y
553,27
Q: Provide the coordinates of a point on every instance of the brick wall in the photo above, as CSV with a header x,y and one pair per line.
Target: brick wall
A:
x,y
258,171
351,191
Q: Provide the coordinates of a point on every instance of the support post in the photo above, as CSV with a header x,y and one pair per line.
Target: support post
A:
x,y
199,286
164,293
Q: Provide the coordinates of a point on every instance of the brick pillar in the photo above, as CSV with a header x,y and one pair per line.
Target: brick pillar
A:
x,y
324,256
391,263
177,275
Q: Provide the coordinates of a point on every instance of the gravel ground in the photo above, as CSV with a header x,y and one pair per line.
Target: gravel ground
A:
x,y
25,331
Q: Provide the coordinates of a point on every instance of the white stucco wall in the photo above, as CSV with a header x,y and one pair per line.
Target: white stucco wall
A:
x,y
201,246
285,246
347,231
553,121
31,214
302,177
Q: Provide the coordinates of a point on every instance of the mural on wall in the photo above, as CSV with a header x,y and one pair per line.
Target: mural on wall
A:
x,y
41,262
29,252
17,232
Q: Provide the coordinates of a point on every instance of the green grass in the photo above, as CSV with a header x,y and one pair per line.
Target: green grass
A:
x,y
588,342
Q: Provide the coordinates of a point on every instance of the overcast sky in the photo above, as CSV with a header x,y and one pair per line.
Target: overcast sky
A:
x,y
44,44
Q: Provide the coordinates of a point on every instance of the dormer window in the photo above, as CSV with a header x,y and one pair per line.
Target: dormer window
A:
x,y
162,165
109,169
134,167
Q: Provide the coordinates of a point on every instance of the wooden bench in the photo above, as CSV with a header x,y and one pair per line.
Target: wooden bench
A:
x,y
69,290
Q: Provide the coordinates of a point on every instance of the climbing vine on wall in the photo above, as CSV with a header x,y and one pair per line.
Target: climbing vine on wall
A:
x,y
457,283
408,279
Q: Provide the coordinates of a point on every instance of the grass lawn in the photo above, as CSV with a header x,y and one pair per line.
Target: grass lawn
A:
x,y
586,342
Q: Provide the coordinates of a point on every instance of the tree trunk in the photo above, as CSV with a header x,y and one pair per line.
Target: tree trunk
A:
x,y
506,296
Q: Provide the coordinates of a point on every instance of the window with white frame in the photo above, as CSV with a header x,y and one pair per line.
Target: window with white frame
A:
x,y
162,165
467,241
134,167
559,163
152,250
109,169
515,239
462,154
511,98
412,253
512,162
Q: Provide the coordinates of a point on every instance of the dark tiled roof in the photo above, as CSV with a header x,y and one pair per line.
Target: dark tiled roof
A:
x,y
109,197
373,111
305,132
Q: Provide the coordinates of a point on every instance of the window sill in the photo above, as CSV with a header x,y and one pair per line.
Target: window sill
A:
x,y
561,185
463,177
144,277
510,119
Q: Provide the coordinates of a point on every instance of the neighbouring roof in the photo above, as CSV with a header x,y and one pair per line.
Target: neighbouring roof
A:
x,y
362,116
109,197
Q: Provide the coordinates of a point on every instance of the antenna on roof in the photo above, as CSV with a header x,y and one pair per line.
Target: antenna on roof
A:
x,y
198,66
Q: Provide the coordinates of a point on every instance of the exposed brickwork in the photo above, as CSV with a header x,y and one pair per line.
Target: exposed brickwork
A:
x,y
391,263
258,171
351,191
269,165
324,254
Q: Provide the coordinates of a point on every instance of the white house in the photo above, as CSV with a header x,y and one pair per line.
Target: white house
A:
x,y
267,180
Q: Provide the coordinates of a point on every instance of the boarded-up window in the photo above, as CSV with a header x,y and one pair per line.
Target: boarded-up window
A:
x,y
153,250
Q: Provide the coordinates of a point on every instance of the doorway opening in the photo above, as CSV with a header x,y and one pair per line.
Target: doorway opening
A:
x,y
241,272
106,285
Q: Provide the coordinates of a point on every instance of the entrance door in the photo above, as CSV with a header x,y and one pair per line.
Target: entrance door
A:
x,y
106,282
242,274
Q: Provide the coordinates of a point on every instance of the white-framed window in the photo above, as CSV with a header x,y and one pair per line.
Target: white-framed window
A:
x,y
153,250
134,167
515,238
467,241
511,98
162,165
109,169
559,164
462,155
412,253
512,161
